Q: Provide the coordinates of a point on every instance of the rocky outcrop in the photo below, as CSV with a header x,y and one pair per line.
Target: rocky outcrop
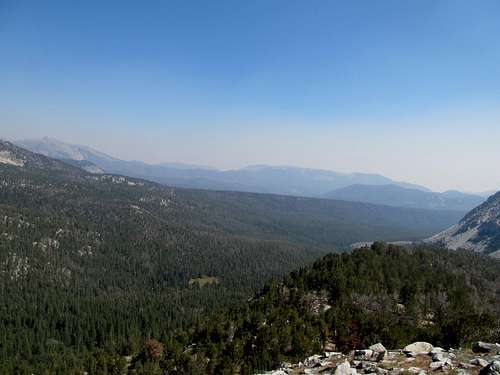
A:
x,y
376,352
492,369
420,358
345,369
484,347
478,231
379,352
417,348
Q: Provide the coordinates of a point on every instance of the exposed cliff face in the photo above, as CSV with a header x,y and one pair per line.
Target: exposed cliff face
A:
x,y
479,230
15,156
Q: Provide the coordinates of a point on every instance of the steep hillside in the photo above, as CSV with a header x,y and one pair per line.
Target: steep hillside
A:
x,y
63,211
348,301
56,149
92,262
479,230
398,196
85,165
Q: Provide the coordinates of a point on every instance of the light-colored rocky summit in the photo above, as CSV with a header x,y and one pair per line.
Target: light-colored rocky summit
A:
x,y
478,231
7,157
419,358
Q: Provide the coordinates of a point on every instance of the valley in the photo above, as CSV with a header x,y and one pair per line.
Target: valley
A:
x,y
262,187
118,259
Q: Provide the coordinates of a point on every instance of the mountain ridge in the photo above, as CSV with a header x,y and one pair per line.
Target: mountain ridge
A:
x,y
478,230
394,195
330,223
257,178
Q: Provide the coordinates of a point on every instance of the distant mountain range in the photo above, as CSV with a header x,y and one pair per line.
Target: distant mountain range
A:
x,y
314,222
283,180
394,195
479,230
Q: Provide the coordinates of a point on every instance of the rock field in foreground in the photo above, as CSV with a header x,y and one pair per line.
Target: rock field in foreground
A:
x,y
417,358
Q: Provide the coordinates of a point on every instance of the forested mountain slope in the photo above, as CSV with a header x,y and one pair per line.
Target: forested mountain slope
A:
x,y
399,196
91,264
316,222
310,221
348,301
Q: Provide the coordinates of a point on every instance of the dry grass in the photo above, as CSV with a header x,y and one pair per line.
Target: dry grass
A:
x,y
204,281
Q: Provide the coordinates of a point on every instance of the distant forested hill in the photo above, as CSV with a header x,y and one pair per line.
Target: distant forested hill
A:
x,y
309,221
398,196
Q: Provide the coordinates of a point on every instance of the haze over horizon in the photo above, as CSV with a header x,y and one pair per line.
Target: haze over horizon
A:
x,y
410,91
250,187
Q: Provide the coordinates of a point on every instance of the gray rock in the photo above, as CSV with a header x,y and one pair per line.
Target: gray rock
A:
x,y
370,367
466,366
345,369
360,365
485,347
392,354
436,350
332,354
312,361
417,348
441,365
363,355
439,357
379,351
436,365
415,370
479,362
492,369
284,365
327,364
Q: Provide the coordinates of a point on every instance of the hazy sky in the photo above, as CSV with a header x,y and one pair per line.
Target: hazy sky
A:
x,y
409,89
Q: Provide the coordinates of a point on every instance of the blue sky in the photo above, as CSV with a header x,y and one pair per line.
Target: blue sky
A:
x,y
340,85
